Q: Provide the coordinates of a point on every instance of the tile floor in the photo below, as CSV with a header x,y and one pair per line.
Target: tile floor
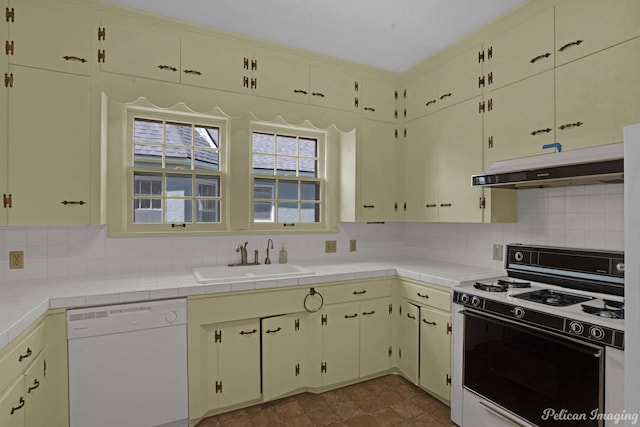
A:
x,y
385,401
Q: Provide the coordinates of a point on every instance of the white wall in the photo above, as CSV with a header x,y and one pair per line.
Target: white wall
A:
x,y
584,216
590,216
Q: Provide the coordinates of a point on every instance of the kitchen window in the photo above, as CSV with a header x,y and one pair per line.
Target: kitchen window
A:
x,y
175,172
287,177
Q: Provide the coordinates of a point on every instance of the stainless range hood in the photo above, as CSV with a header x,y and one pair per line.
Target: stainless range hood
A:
x,y
601,164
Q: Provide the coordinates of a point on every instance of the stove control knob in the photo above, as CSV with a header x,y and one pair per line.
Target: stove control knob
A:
x,y
576,328
475,301
519,256
171,317
620,267
518,312
596,332
464,298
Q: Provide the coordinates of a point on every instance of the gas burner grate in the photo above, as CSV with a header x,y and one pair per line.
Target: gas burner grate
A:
x,y
489,287
553,298
512,283
611,313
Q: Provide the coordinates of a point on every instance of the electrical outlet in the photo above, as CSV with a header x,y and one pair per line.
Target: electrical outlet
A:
x,y
16,259
330,246
352,245
497,252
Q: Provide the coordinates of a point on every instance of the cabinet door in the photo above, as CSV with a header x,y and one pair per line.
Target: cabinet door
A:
x,y
213,64
375,337
378,171
341,343
379,101
421,96
35,393
137,50
13,404
49,147
420,170
522,120
408,325
4,133
281,77
598,95
458,78
239,362
282,343
587,26
333,89
435,352
521,51
460,156
51,38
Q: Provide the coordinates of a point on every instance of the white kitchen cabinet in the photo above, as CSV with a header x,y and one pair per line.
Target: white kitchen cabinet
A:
x,y
280,76
378,171
379,100
597,96
435,352
283,363
49,145
522,120
459,157
408,338
583,27
333,89
54,38
136,48
420,96
521,51
12,404
458,78
208,62
375,336
35,390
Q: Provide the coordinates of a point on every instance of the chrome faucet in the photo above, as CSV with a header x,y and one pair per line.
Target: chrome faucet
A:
x,y
267,260
243,253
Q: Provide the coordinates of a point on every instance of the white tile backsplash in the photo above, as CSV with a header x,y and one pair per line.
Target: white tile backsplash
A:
x,y
584,216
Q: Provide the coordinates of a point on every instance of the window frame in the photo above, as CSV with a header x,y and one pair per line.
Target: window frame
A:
x,y
196,120
321,155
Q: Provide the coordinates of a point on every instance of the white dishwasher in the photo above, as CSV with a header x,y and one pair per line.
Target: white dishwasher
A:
x,y
128,365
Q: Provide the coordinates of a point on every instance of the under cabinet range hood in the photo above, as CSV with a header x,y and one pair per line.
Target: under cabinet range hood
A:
x,y
601,164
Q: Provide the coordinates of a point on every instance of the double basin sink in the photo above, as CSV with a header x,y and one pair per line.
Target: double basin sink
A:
x,y
224,274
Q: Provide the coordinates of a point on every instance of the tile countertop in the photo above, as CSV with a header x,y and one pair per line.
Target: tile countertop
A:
x,y
23,302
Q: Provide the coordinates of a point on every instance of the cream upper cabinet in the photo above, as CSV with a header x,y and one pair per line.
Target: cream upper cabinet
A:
x,y
421,96
379,198
280,76
458,78
333,89
520,51
598,95
459,156
48,170
139,49
4,133
53,38
420,170
435,352
522,120
587,26
379,100
210,63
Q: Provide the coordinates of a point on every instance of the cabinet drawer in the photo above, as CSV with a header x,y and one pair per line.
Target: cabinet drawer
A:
x,y
355,291
21,355
426,295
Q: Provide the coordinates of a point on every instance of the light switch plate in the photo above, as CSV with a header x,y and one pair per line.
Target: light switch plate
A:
x,y
497,252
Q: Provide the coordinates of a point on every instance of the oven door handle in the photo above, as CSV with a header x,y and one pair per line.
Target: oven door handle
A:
x,y
572,343
498,414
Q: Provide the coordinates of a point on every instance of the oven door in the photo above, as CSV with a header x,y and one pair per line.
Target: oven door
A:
x,y
540,376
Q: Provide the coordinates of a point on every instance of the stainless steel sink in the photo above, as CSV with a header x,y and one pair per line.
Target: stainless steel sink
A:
x,y
224,274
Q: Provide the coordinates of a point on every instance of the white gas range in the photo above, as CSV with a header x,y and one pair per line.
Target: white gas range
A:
x,y
525,350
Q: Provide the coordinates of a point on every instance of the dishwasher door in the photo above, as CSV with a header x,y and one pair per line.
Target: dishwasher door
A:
x,y
128,365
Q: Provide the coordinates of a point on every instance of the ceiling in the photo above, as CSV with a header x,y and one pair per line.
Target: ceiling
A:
x,y
389,34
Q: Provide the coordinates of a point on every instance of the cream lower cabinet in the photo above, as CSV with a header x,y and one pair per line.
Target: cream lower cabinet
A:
x,y
36,385
375,337
12,404
232,362
407,327
435,352
597,95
